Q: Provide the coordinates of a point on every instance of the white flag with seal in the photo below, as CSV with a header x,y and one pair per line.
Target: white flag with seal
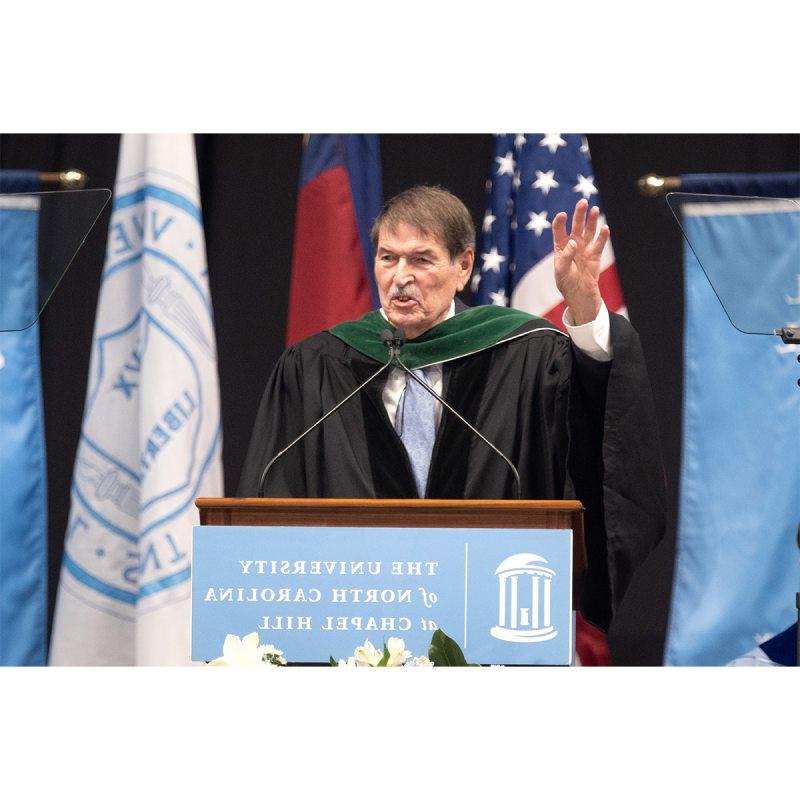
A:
x,y
151,437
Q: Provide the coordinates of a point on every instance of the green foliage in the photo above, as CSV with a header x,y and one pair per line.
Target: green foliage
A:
x,y
444,652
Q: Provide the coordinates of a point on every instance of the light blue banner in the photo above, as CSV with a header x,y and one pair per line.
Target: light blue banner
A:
x,y
737,567
503,595
23,477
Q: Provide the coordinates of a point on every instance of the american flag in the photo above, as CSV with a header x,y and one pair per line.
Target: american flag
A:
x,y
533,177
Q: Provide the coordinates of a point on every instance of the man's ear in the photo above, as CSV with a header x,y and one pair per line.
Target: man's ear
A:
x,y
465,263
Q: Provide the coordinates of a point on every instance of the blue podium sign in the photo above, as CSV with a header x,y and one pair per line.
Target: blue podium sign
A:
x,y
504,595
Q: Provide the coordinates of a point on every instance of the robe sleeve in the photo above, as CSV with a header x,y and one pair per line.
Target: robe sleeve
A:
x,y
278,422
616,469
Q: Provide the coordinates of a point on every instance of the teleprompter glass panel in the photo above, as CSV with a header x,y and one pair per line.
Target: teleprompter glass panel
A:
x,y
749,250
40,233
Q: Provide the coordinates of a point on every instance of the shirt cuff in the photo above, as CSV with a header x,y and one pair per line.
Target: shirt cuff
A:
x,y
593,338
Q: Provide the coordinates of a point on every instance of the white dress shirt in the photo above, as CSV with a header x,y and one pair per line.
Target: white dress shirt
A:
x,y
593,338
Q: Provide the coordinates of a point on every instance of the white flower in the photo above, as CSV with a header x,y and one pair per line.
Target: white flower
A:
x,y
246,652
419,661
237,652
367,656
271,655
351,662
397,652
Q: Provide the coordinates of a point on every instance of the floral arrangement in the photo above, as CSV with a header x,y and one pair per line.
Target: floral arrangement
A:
x,y
393,654
442,652
247,652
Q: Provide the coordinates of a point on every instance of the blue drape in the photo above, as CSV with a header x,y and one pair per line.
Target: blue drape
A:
x,y
737,567
23,477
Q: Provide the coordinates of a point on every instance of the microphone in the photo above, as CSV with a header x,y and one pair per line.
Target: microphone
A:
x,y
396,357
394,341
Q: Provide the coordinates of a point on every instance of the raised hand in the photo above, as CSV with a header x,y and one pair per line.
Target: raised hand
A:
x,y
577,260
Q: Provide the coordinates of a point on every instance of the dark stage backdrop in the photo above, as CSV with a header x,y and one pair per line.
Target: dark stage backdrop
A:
x,y
249,193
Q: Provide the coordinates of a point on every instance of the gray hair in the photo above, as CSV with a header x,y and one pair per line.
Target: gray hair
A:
x,y
433,211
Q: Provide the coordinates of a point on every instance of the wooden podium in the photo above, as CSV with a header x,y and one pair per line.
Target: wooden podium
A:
x,y
404,514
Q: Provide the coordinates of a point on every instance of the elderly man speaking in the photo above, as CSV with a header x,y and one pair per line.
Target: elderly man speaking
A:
x,y
573,413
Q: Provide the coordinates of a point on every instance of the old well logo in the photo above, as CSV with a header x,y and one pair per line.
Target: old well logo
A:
x,y
524,602
151,424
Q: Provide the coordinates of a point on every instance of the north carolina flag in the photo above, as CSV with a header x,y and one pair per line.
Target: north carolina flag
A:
x,y
340,196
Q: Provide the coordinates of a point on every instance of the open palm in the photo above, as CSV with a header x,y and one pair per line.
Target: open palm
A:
x,y
577,260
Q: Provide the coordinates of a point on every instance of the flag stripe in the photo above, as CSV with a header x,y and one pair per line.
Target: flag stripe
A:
x,y
340,196
329,282
156,192
610,288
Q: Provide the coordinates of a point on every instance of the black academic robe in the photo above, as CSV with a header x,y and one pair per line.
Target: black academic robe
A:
x,y
572,426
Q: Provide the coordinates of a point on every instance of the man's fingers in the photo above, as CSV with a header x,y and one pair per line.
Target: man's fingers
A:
x,y
560,230
591,225
579,218
567,255
600,243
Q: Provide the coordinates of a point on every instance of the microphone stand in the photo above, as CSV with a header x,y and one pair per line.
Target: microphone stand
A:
x,y
393,340
390,342
396,358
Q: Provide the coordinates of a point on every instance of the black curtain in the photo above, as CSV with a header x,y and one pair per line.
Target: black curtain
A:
x,y
249,192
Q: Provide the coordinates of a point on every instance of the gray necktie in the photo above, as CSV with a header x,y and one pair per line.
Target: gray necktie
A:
x,y
416,425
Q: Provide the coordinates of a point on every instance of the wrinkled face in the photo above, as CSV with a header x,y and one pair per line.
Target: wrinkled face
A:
x,y
416,279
